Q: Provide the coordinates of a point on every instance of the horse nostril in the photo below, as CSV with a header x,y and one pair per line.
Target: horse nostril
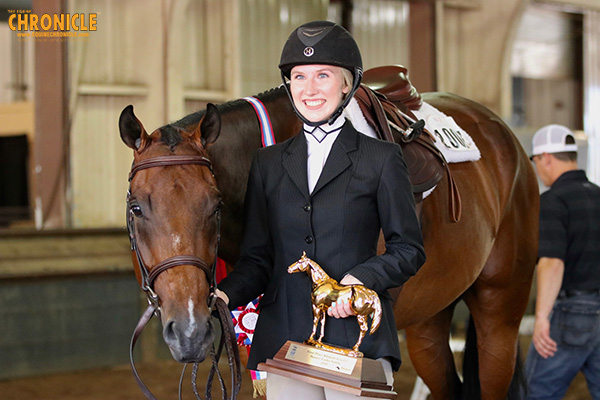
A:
x,y
169,333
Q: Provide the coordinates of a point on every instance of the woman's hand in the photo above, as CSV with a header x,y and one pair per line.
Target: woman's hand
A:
x,y
220,294
342,307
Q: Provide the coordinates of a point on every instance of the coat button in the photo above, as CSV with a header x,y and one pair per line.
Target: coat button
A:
x,y
306,207
308,239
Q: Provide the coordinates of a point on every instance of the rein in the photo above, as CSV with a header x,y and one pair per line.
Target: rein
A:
x,y
148,277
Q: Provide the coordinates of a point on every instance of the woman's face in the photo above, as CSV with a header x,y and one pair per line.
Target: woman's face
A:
x,y
317,90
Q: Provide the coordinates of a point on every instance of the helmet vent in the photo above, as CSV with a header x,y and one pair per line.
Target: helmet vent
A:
x,y
310,36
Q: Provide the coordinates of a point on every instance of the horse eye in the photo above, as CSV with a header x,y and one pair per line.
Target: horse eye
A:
x,y
136,210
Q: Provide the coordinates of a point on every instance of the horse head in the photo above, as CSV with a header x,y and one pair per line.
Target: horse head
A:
x,y
302,265
173,219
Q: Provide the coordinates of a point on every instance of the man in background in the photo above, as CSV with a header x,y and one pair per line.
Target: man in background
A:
x,y
566,336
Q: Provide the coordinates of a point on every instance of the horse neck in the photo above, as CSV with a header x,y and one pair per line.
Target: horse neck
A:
x,y
317,274
241,133
239,119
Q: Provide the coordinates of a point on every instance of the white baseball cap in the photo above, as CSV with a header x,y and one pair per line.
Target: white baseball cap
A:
x,y
553,139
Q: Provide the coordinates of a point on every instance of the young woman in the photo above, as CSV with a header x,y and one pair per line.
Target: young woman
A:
x,y
327,192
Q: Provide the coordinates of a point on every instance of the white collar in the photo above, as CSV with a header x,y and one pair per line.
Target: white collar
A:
x,y
320,132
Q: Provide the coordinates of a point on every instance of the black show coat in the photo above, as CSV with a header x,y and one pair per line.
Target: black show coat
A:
x,y
363,188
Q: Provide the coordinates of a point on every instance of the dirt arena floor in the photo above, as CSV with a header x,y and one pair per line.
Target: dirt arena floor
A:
x,y
163,379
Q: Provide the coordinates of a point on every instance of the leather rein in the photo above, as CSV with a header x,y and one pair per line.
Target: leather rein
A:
x,y
149,275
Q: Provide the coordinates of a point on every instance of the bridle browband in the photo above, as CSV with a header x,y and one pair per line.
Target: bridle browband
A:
x,y
149,276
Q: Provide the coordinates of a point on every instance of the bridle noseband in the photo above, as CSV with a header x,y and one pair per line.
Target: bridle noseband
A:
x,y
149,276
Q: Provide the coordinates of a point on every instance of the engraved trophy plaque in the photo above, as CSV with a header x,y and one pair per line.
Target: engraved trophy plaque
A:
x,y
325,365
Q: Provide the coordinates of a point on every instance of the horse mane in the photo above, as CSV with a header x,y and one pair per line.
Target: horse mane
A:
x,y
224,108
171,133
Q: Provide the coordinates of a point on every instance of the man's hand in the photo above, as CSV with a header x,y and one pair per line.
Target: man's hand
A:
x,y
550,273
545,346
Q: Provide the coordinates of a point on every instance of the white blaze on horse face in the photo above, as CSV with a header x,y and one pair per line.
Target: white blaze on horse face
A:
x,y
189,332
176,241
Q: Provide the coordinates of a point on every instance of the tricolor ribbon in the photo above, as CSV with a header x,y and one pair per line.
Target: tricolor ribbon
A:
x,y
244,323
266,130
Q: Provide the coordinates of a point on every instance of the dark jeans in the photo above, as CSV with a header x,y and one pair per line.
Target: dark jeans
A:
x,y
575,326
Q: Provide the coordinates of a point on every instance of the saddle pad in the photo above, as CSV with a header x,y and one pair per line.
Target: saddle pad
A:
x,y
353,113
454,143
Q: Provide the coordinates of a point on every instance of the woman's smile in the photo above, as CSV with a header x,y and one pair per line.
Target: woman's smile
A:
x,y
317,90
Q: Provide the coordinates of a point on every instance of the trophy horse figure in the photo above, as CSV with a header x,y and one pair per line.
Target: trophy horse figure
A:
x,y
326,290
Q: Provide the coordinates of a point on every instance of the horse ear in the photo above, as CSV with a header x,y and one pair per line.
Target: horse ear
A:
x,y
209,128
131,129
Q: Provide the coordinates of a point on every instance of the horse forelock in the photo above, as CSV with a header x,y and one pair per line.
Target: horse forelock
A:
x,y
171,136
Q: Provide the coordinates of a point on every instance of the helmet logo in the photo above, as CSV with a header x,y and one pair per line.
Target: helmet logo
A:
x,y
309,51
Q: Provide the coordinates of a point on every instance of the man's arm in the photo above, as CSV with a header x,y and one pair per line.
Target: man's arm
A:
x,y
550,273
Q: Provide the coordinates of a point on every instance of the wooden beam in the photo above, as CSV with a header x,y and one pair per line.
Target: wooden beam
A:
x,y
422,71
51,253
50,151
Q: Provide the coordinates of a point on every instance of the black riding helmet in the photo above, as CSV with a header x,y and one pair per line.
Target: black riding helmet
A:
x,y
321,42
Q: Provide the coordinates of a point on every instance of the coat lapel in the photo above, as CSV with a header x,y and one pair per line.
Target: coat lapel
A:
x,y
338,160
294,162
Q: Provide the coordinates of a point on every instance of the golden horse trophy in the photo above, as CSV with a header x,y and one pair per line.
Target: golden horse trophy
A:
x,y
325,291
325,365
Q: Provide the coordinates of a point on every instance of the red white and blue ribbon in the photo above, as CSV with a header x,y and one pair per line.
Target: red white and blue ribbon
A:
x,y
266,130
244,323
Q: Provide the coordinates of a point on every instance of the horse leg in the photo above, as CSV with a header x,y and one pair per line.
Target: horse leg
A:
x,y
430,353
316,317
497,338
497,301
364,327
323,317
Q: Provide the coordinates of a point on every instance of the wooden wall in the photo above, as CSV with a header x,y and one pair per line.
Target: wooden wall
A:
x,y
474,40
69,301
167,58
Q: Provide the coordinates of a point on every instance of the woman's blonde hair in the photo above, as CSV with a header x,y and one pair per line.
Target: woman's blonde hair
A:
x,y
348,78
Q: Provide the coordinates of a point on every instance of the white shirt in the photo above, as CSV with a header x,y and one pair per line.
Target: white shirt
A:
x,y
319,140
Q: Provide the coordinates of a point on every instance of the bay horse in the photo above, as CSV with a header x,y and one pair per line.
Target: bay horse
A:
x,y
326,290
486,259
173,218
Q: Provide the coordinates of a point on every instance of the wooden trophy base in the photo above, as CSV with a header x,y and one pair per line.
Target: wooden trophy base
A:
x,y
359,376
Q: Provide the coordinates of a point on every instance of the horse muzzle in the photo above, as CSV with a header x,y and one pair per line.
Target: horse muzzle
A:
x,y
189,340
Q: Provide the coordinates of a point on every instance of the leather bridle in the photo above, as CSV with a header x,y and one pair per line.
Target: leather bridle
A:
x,y
149,275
